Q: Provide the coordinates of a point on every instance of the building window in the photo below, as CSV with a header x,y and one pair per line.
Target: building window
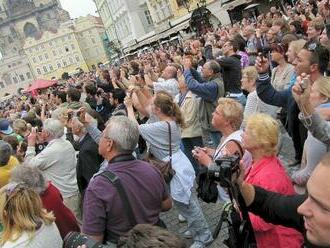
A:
x,y
64,63
2,85
71,60
15,80
148,17
21,77
93,40
67,49
46,56
54,53
38,71
59,65
45,69
73,47
34,60
28,75
40,58
50,67
77,58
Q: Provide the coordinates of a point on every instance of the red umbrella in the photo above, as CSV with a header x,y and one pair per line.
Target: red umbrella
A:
x,y
41,84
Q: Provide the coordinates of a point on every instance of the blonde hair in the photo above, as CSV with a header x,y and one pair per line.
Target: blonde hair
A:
x,y
20,126
21,209
264,131
323,85
168,107
232,111
251,72
297,45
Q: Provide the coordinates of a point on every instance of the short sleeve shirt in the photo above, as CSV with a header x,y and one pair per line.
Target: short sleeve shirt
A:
x,y
103,208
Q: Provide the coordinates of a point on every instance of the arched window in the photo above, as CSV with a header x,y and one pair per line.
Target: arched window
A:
x,y
30,30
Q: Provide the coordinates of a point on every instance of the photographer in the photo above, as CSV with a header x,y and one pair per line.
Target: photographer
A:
x,y
309,214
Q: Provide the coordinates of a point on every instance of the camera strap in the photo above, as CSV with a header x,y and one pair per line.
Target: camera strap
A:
x,y
115,181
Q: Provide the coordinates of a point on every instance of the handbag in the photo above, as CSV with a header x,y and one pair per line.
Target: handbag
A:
x,y
165,168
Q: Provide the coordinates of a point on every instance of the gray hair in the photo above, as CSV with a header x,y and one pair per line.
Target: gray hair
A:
x,y
5,152
60,113
214,66
124,132
31,176
54,127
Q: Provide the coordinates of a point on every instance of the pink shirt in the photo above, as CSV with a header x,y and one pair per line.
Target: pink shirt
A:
x,y
269,174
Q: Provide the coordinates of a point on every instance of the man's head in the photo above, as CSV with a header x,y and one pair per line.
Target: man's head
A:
x,y
78,128
73,95
119,137
248,31
5,128
5,152
59,97
52,129
117,97
90,89
313,59
169,72
229,48
146,235
316,208
210,69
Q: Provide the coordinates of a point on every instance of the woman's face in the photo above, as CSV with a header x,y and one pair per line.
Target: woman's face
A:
x,y
248,140
247,83
290,54
316,98
218,119
324,38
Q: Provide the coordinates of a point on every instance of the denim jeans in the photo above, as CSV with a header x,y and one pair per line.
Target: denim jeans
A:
x,y
188,146
197,224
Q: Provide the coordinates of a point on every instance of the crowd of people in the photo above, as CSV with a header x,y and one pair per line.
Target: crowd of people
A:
x,y
92,154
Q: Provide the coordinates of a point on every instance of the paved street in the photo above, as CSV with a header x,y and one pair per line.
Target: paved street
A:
x,y
213,211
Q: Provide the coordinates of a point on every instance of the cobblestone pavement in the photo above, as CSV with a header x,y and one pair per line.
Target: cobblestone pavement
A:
x,y
212,212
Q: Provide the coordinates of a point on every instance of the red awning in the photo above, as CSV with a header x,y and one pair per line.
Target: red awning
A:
x,y
41,84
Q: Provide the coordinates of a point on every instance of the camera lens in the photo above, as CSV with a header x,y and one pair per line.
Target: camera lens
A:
x,y
74,239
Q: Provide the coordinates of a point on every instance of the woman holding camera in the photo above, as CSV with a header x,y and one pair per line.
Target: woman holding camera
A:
x,y
25,223
260,138
161,110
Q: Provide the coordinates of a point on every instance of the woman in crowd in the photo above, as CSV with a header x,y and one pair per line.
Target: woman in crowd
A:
x,y
260,138
282,73
25,223
161,109
227,118
313,148
50,196
253,103
192,131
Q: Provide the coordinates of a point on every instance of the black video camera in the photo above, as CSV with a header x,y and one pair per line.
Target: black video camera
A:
x,y
224,169
75,239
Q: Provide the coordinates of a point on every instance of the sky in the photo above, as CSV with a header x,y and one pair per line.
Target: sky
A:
x,y
78,8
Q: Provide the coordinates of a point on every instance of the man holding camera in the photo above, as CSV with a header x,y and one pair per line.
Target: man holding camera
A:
x,y
105,210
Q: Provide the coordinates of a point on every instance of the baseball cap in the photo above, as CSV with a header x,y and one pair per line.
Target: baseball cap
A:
x,y
5,127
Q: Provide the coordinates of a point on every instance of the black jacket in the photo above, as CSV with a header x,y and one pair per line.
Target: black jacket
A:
x,y
279,210
88,162
231,73
267,93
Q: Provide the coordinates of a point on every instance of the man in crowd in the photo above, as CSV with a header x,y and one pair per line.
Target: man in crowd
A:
x,y
210,89
57,161
104,216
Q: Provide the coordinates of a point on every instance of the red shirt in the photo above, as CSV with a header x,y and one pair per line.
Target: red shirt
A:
x,y
65,220
269,174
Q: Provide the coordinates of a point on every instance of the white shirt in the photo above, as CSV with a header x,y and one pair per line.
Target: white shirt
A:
x,y
58,163
170,85
45,237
